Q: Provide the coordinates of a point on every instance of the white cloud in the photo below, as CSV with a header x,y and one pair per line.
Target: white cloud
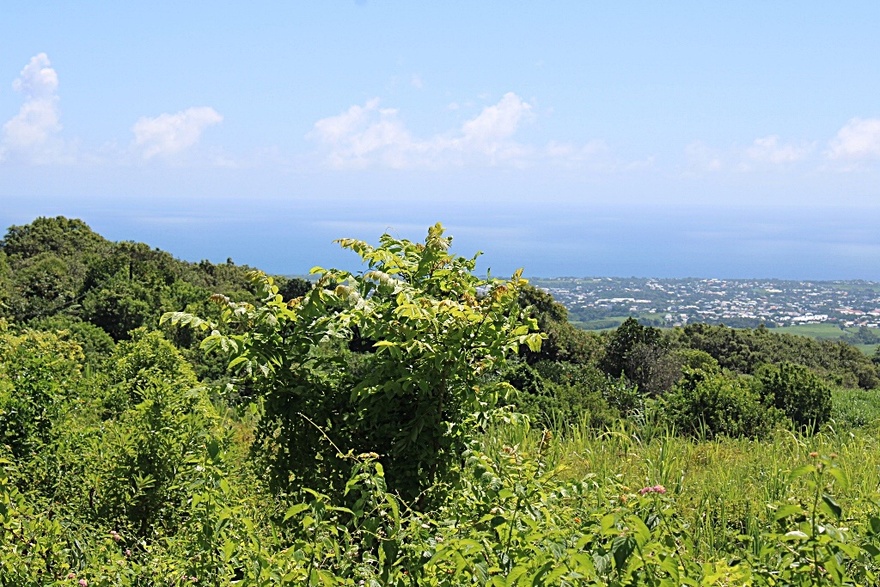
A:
x,y
769,150
31,131
168,134
858,140
496,123
370,135
363,135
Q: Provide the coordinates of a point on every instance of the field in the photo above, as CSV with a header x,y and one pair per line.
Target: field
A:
x,y
832,332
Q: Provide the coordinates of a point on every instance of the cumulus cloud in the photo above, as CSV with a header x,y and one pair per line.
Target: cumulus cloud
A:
x,y
496,123
364,134
769,149
168,134
858,140
31,131
368,134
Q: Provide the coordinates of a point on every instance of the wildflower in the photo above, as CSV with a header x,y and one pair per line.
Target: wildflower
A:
x,y
814,455
115,536
83,583
652,489
71,575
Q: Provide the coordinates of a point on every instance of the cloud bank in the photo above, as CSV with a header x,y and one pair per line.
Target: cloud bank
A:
x,y
369,135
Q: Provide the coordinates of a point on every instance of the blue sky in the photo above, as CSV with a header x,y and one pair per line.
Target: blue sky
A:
x,y
711,139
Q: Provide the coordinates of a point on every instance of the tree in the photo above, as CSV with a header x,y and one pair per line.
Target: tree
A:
x,y
641,354
430,337
61,236
564,342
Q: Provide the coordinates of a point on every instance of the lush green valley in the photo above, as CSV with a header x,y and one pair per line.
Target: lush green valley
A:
x,y
173,423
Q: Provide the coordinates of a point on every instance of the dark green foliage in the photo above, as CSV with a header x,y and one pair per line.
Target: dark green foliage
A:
x,y
642,354
48,260
61,236
708,405
564,342
291,288
96,344
744,351
608,398
120,306
697,359
560,395
797,392
620,342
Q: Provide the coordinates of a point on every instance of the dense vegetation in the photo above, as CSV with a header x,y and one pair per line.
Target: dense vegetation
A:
x,y
410,424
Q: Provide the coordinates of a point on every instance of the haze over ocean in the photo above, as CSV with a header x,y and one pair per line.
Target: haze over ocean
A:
x,y
289,237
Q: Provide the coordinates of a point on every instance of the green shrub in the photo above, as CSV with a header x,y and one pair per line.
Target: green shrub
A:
x,y
570,394
796,391
157,423
851,408
429,332
713,404
38,372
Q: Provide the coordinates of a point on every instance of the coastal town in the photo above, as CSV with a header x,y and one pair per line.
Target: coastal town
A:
x,y
597,302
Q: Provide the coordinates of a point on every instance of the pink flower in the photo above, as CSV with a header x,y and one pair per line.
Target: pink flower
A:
x,y
71,575
83,583
653,489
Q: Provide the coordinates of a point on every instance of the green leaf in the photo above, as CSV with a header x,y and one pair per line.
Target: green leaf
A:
x,y
787,510
622,548
839,476
830,506
228,550
294,510
803,470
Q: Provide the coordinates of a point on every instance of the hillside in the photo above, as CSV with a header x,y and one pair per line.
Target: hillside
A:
x,y
169,423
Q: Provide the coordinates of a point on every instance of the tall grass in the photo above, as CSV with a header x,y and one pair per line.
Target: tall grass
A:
x,y
722,487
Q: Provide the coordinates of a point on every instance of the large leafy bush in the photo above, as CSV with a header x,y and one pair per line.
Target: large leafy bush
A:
x,y
393,361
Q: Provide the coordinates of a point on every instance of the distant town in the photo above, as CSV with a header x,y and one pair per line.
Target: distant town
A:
x,y
601,302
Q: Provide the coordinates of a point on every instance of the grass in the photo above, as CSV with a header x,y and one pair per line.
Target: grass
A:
x,y
855,407
722,488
